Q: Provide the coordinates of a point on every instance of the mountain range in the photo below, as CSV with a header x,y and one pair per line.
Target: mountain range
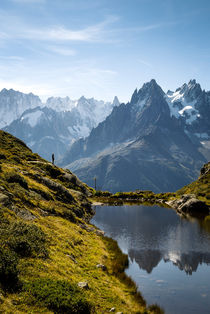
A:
x,y
52,126
157,141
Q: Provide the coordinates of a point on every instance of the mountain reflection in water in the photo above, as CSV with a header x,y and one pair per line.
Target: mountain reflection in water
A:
x,y
149,259
163,250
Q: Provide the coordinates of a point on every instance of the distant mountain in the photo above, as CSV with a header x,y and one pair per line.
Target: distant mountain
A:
x,y
14,103
149,143
54,126
191,104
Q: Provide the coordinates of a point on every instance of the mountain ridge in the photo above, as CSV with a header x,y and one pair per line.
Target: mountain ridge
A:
x,y
65,119
146,117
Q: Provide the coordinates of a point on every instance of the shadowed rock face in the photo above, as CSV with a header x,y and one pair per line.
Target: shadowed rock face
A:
x,y
189,204
139,146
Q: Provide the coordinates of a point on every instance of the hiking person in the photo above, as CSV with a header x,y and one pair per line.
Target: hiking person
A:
x,y
53,159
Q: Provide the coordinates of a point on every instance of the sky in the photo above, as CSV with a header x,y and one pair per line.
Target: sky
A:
x,y
102,48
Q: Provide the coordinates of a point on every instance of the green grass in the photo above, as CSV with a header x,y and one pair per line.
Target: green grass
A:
x,y
60,296
44,252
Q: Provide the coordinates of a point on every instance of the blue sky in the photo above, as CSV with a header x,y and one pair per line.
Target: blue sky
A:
x,y
102,48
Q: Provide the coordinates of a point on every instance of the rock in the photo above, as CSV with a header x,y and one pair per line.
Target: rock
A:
x,y
62,193
23,213
103,267
4,199
189,204
83,285
112,309
194,206
72,258
87,228
119,313
100,232
1,298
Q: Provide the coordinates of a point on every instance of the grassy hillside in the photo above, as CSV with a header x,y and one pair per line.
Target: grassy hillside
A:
x,y
47,246
200,187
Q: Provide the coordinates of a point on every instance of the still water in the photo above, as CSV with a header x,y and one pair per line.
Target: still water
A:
x,y
169,256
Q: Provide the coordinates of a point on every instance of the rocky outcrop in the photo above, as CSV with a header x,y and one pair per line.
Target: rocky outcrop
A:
x,y
189,204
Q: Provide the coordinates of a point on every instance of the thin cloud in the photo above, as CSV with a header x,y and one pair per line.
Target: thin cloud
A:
x,y
149,65
94,33
12,58
62,51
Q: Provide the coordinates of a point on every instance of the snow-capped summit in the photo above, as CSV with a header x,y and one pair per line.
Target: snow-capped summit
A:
x,y
88,109
54,125
190,104
61,103
183,101
14,103
190,91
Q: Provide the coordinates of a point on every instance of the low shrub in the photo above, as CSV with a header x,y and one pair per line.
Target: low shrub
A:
x,y
2,156
8,269
103,193
52,171
68,214
27,240
154,308
13,177
59,296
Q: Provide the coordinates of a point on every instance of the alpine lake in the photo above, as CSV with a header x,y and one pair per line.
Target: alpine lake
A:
x,y
169,256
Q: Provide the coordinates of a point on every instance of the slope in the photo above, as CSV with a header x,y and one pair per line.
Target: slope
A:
x,y
47,246
200,187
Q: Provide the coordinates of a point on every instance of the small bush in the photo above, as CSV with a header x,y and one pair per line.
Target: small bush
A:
x,y
13,177
68,214
27,240
59,296
52,171
2,156
103,193
8,269
154,308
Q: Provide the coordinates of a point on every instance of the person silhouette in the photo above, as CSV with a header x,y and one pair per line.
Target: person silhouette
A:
x,y
53,159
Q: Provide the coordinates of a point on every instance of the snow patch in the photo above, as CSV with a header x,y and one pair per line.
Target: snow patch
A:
x,y
202,135
184,109
32,118
180,107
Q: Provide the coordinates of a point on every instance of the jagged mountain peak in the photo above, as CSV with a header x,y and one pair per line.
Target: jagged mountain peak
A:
x,y
116,101
148,89
82,98
11,91
152,85
191,90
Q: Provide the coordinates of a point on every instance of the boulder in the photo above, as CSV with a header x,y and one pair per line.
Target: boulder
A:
x,y
83,285
103,267
189,204
194,206
4,199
